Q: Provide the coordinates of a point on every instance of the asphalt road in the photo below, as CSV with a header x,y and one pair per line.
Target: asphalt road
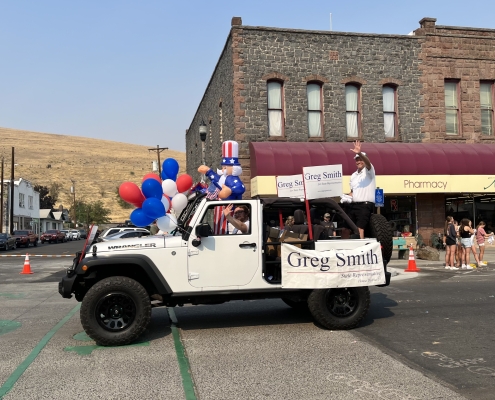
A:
x,y
425,337
441,323
47,249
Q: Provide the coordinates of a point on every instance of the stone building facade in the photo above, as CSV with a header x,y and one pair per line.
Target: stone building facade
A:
x,y
419,67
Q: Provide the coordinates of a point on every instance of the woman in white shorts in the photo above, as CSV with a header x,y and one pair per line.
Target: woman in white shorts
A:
x,y
465,233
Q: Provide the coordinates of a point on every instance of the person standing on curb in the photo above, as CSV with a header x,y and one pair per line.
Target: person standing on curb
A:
x,y
465,232
480,239
363,187
450,243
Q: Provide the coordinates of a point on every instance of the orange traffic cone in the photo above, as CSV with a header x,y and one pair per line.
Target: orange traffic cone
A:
x,y
27,266
411,265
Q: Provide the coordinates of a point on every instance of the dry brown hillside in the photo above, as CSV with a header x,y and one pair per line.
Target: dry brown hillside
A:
x,y
97,166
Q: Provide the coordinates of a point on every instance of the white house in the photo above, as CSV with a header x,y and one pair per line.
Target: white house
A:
x,y
26,208
51,220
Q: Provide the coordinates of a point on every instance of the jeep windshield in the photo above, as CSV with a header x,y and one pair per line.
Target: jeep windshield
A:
x,y
185,216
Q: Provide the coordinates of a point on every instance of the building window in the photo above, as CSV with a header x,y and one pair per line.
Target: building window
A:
x,y
390,120
30,202
352,107
452,107
486,100
275,109
315,120
21,200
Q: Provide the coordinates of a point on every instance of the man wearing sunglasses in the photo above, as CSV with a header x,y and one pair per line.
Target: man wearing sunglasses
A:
x,y
239,223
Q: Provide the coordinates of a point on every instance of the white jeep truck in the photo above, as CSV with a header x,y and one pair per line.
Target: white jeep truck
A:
x,y
117,281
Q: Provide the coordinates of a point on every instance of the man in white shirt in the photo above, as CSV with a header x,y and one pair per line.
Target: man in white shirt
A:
x,y
239,223
363,187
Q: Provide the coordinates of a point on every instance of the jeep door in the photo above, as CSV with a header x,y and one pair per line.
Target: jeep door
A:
x,y
225,259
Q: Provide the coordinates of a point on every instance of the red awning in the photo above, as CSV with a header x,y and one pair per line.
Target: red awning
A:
x,y
288,158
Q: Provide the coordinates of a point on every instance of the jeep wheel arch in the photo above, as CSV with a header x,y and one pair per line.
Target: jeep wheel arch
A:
x,y
137,267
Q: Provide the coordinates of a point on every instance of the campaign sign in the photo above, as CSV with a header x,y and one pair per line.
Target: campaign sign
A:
x,y
311,269
290,186
323,181
379,199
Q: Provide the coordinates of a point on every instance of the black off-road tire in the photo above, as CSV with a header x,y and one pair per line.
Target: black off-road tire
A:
x,y
341,308
380,229
110,295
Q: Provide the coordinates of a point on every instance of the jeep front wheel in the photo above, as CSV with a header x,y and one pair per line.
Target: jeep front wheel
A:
x,y
341,308
115,311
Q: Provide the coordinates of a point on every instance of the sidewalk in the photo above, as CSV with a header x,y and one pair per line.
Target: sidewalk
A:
x,y
397,266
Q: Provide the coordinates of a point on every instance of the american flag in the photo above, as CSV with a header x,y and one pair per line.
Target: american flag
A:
x,y
219,221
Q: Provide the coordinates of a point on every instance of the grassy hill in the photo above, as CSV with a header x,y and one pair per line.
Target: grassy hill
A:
x,y
97,166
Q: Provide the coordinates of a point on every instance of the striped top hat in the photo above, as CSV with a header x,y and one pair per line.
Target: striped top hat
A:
x,y
230,153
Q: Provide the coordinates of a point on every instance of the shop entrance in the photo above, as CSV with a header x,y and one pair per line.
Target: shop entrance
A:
x,y
400,211
475,207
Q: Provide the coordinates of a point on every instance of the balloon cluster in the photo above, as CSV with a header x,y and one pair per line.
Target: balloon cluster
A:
x,y
158,196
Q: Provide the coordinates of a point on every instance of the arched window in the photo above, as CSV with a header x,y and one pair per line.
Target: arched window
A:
x,y
275,94
352,108
315,115
390,120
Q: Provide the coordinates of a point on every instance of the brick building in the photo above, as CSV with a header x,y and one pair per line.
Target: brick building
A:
x,y
434,87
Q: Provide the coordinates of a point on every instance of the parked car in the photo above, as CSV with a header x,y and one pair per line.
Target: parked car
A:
x,y
25,237
139,232
113,231
76,235
83,233
53,236
7,242
66,232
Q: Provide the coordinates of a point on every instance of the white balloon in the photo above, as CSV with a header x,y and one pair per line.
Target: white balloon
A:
x,y
166,203
179,202
169,187
167,223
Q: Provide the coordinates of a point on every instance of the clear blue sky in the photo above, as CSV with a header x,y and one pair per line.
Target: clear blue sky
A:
x,y
135,71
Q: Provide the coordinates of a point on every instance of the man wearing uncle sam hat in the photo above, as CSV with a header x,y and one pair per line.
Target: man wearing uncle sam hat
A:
x,y
232,188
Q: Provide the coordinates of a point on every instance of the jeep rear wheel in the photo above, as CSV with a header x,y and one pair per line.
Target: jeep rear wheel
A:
x,y
115,311
341,308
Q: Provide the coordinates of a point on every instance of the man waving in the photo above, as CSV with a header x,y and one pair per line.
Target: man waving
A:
x,y
363,187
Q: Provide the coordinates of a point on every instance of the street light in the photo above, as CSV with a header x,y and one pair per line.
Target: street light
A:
x,y
202,134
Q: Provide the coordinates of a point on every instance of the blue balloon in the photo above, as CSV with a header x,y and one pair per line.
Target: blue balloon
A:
x,y
153,208
152,188
171,168
164,176
139,218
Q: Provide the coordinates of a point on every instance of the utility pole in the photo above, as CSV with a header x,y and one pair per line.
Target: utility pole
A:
x,y
73,191
12,194
1,201
158,151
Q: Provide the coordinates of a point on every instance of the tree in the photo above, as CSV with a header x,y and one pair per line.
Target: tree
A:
x,y
46,201
122,203
92,213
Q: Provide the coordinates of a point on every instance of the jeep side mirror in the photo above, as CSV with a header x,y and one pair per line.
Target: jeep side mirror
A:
x,y
196,242
203,230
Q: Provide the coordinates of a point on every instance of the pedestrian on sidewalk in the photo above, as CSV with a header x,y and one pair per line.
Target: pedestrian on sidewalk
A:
x,y
481,235
458,246
466,232
450,243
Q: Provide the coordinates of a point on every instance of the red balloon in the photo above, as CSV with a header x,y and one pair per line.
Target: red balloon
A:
x,y
151,175
184,183
131,193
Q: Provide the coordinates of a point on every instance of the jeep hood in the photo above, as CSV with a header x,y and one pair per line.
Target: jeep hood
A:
x,y
147,243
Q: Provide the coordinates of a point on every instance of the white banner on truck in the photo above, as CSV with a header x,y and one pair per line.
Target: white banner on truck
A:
x,y
323,181
290,186
310,269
